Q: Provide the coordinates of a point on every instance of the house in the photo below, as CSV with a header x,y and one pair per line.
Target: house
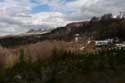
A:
x,y
77,37
106,42
120,45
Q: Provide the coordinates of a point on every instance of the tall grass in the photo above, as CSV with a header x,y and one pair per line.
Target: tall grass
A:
x,y
67,66
57,62
7,58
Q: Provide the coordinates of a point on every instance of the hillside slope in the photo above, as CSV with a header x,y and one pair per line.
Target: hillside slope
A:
x,y
100,29
97,28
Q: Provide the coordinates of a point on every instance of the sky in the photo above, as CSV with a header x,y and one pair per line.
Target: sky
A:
x,y
18,16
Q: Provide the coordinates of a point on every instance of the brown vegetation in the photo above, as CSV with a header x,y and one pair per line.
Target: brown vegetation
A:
x,y
7,58
42,51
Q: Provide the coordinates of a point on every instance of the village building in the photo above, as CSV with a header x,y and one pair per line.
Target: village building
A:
x,y
120,45
77,37
106,42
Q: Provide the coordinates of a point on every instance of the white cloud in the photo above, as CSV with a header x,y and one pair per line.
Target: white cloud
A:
x,y
79,3
9,25
85,9
53,19
16,16
19,24
14,7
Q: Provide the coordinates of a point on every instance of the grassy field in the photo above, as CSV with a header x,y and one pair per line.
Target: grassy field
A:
x,y
50,62
43,50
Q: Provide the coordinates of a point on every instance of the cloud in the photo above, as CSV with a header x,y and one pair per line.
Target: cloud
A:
x,y
20,24
9,25
99,7
53,19
79,3
14,7
16,16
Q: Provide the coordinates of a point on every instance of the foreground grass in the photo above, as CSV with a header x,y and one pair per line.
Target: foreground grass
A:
x,y
66,67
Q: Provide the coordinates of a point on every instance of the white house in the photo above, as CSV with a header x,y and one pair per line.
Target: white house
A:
x,y
103,42
77,37
120,45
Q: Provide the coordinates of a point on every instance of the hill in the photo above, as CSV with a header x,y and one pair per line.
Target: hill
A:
x,y
97,28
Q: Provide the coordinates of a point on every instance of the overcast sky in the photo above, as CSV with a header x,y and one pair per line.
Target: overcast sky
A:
x,y
17,16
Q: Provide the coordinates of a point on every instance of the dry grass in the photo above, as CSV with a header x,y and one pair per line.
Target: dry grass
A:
x,y
41,51
7,58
